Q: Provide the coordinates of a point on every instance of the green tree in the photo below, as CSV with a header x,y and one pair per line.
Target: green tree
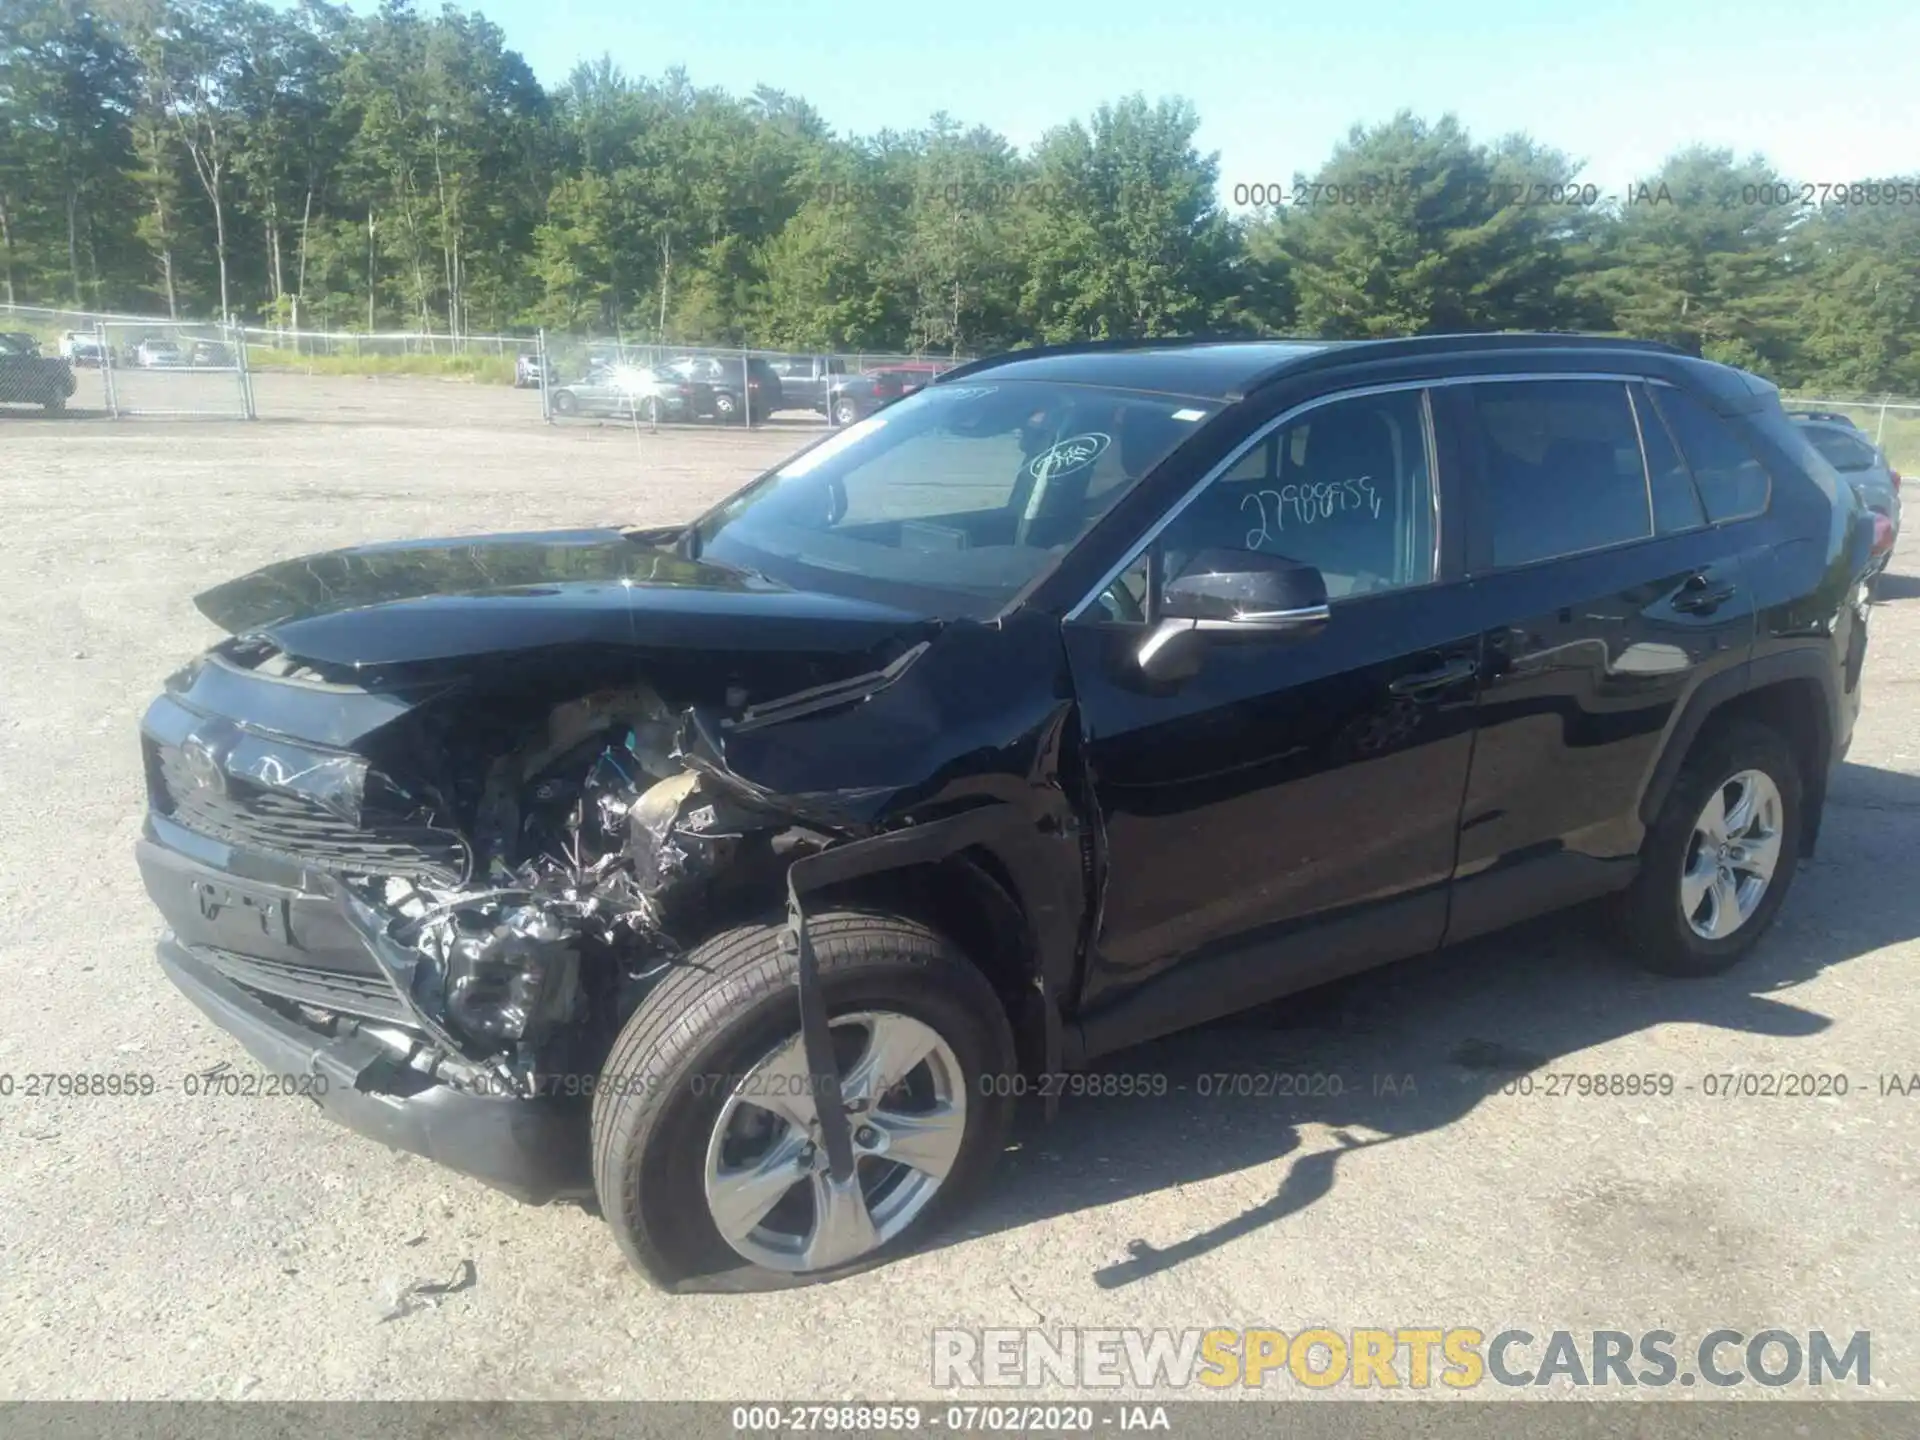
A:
x,y
1856,294
1124,235
1697,259
65,85
1412,228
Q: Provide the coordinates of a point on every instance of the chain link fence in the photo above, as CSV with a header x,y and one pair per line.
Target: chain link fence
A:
x,y
118,365
1891,423
583,379
159,367
133,365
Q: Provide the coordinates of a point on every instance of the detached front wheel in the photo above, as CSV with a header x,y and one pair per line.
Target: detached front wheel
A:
x,y
708,1152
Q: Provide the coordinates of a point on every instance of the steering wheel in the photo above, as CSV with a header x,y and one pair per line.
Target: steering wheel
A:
x,y
1125,608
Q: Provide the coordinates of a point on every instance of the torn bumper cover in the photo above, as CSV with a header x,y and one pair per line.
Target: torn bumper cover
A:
x,y
448,974
452,909
535,1150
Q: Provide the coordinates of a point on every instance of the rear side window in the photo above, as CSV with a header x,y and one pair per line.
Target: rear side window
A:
x,y
1563,468
1842,451
1732,483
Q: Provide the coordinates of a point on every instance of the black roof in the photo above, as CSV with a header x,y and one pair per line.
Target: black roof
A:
x,y
1230,369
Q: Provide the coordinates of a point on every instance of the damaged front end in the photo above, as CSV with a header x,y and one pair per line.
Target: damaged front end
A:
x,y
595,865
506,888
450,885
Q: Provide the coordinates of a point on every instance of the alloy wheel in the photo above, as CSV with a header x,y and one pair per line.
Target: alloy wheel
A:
x,y
768,1187
1731,859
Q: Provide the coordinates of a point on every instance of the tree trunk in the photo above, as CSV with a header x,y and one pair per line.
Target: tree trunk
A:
x,y
166,280
220,248
369,269
300,271
275,264
666,274
449,243
6,249
73,242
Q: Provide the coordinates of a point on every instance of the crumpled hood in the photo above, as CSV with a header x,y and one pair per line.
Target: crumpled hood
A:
x,y
423,600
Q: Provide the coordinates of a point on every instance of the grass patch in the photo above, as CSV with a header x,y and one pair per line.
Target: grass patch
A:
x,y
481,369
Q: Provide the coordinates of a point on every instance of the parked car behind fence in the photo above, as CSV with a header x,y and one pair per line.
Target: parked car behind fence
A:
x,y
29,378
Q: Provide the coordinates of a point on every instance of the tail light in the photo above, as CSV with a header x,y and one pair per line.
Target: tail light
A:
x,y
1882,534
1894,475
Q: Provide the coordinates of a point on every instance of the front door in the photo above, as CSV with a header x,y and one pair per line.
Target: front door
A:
x,y
1290,811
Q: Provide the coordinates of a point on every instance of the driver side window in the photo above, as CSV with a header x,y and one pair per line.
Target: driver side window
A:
x,y
1346,487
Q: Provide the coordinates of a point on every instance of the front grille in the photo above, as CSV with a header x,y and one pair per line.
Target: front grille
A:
x,y
368,996
293,827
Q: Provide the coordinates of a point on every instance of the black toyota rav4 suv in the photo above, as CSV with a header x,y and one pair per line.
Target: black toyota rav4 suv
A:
x,y
740,873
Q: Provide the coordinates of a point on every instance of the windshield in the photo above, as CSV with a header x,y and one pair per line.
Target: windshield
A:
x,y
952,500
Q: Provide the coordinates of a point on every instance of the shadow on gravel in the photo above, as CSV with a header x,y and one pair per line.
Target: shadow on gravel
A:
x,y
1895,587
1415,1046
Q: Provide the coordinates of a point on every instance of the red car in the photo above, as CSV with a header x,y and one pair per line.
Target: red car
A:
x,y
860,395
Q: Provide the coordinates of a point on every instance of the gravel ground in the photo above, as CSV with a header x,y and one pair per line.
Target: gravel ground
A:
x,y
175,1247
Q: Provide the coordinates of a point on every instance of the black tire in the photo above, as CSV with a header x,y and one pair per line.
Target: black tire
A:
x,y
564,403
845,412
1650,914
728,1004
724,405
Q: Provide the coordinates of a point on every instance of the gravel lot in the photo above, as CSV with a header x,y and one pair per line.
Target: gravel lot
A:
x,y
175,1247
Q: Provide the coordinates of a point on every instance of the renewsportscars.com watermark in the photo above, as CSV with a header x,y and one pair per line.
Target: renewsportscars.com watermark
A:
x,y
1411,1357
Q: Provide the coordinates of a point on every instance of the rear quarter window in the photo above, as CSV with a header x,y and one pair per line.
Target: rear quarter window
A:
x,y
1732,482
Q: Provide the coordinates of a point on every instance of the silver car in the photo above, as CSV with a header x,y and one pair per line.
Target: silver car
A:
x,y
1864,464
629,391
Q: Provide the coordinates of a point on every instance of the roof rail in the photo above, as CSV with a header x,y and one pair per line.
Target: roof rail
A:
x,y
1095,347
1461,341
1335,350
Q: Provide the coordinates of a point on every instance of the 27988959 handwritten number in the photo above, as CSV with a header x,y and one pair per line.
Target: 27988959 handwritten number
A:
x,y
1310,504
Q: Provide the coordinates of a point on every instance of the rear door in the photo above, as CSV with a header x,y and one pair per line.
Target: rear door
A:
x,y
1605,595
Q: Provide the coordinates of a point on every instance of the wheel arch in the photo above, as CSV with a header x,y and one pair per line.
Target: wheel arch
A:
x,y
1008,893
968,897
1791,693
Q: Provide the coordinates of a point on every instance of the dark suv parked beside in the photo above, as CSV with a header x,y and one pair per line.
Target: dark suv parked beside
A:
x,y
741,872
731,389
808,382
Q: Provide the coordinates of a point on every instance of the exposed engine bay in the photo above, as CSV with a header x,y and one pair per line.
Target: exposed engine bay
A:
x,y
520,872
596,855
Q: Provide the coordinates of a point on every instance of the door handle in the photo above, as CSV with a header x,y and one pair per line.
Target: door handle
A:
x,y
1426,681
1699,596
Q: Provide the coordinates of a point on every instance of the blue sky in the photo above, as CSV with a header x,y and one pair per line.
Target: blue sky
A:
x,y
1828,93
